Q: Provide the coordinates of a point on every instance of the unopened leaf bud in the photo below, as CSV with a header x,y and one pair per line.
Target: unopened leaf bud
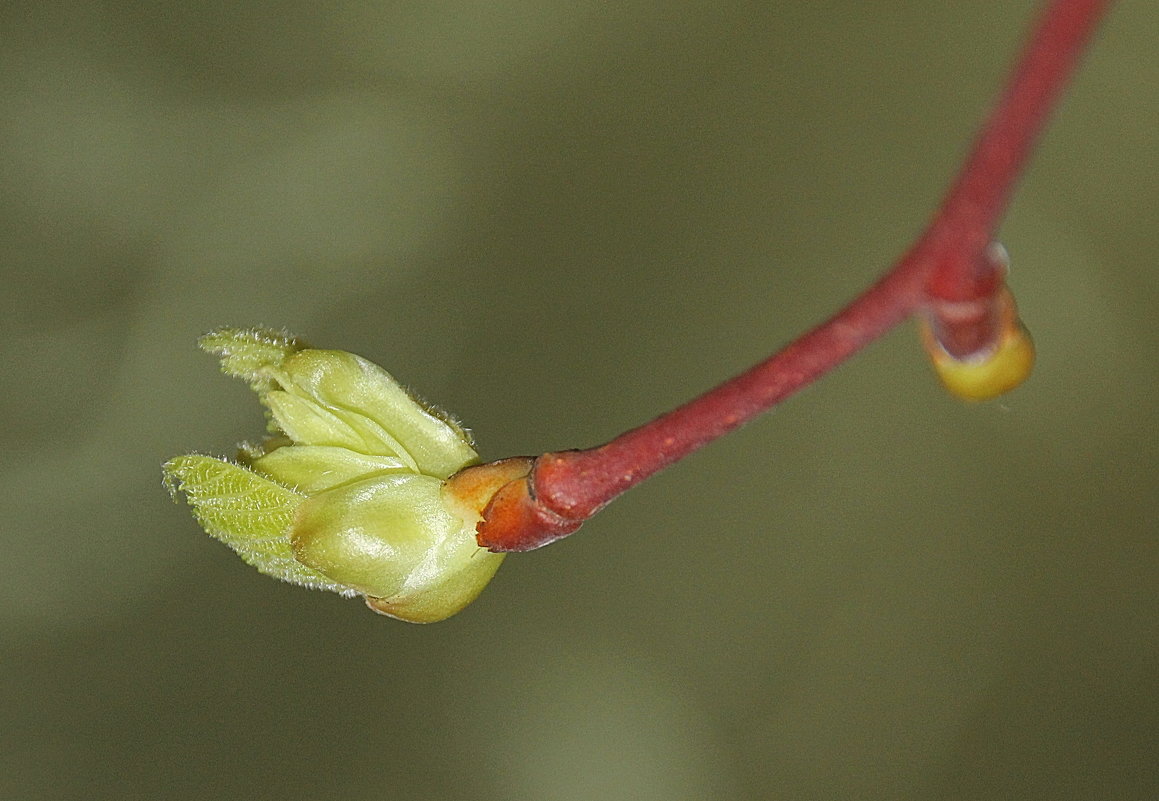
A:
x,y
349,493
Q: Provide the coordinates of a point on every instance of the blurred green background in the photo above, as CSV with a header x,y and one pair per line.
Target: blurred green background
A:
x,y
557,220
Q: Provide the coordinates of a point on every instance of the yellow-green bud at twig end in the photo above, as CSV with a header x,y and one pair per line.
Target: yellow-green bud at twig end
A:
x,y
349,493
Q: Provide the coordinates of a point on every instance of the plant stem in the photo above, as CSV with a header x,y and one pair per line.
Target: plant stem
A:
x,y
965,223
950,273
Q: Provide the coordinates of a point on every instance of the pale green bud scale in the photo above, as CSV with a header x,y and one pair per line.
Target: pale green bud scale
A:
x,y
400,520
303,420
368,399
314,468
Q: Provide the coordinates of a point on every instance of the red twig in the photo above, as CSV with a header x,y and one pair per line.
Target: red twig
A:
x,y
951,274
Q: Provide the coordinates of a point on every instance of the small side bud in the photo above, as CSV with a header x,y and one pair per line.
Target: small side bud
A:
x,y
994,369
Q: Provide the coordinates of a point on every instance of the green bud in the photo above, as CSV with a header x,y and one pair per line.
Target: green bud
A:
x,y
349,493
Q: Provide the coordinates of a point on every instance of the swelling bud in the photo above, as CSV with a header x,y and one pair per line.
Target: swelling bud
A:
x,y
348,493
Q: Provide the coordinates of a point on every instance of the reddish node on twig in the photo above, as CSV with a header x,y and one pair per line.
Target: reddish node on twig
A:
x,y
513,518
979,348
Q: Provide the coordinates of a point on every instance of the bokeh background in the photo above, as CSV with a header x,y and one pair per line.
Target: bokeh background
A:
x,y
557,220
